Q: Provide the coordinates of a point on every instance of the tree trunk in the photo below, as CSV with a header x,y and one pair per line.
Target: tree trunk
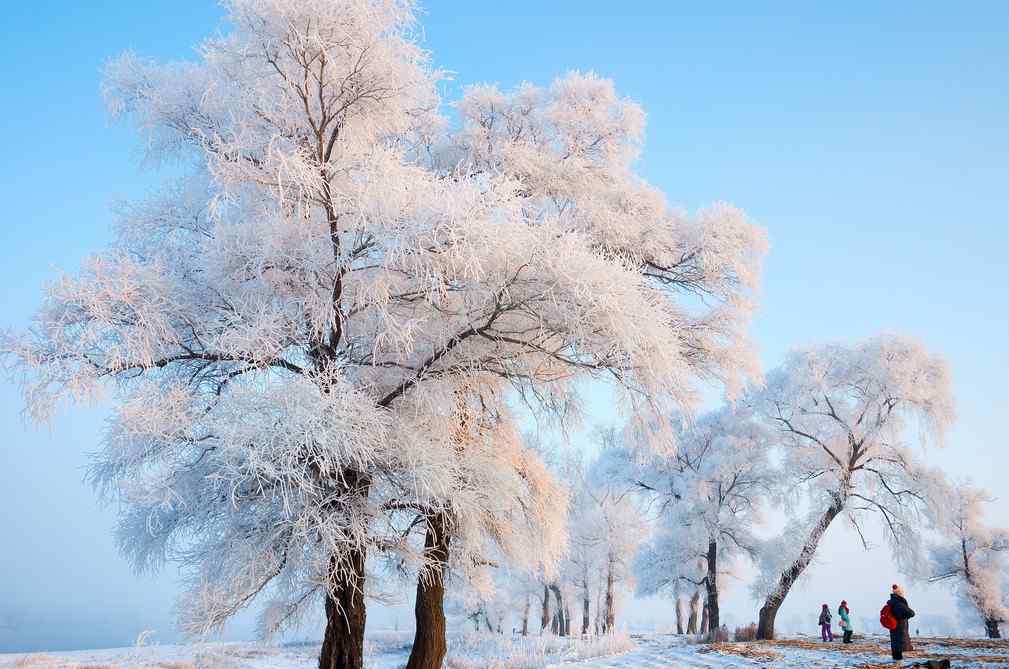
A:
x,y
429,646
991,629
545,618
769,611
695,605
561,623
343,642
703,631
679,613
611,615
585,608
711,581
525,616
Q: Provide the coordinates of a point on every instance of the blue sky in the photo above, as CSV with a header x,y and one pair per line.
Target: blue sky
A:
x,y
871,139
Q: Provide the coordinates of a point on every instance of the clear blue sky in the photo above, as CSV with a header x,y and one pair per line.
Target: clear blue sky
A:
x,y
871,139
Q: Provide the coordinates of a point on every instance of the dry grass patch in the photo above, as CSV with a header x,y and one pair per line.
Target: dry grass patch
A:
x,y
746,650
860,647
948,642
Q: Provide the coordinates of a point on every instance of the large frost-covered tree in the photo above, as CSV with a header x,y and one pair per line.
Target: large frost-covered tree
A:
x,y
973,558
712,491
284,326
845,416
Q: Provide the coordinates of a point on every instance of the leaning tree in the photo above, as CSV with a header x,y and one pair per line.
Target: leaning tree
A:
x,y
844,416
973,558
271,325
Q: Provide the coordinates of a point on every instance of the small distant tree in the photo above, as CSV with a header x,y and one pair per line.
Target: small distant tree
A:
x,y
712,490
843,416
606,529
973,558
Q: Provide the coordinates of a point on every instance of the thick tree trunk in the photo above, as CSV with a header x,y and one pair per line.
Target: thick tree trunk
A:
x,y
695,605
429,646
585,608
343,642
992,629
711,582
545,618
769,611
679,613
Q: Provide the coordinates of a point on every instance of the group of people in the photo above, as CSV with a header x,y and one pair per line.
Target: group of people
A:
x,y
900,637
826,632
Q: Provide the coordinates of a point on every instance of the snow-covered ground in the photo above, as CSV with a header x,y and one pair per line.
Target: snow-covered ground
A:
x,y
478,651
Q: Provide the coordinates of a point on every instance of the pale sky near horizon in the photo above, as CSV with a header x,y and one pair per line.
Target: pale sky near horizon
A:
x,y
870,139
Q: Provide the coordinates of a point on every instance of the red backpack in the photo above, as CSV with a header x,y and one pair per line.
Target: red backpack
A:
x,y
886,617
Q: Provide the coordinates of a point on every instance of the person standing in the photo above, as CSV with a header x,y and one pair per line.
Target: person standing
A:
x,y
900,637
845,615
825,632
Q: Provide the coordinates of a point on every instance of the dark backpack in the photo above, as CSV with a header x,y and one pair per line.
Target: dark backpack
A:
x,y
886,617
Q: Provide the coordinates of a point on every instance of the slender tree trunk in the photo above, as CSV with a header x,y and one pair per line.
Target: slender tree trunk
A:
x,y
695,605
585,607
567,618
486,621
992,629
561,623
525,616
679,613
545,618
711,581
429,646
704,618
611,614
769,611
343,642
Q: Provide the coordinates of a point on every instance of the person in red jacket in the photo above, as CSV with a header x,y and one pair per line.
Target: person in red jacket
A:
x,y
900,637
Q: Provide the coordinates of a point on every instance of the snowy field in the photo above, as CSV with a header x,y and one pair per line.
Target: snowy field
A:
x,y
476,651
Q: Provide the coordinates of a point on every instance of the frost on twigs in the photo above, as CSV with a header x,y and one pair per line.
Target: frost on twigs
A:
x,y
972,558
846,418
294,329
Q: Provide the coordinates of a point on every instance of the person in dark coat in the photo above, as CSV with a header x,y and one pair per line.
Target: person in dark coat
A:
x,y
900,637
825,632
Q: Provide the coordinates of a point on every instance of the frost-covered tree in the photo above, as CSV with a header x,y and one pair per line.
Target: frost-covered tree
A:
x,y
712,490
487,500
607,531
973,558
282,328
572,147
844,416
